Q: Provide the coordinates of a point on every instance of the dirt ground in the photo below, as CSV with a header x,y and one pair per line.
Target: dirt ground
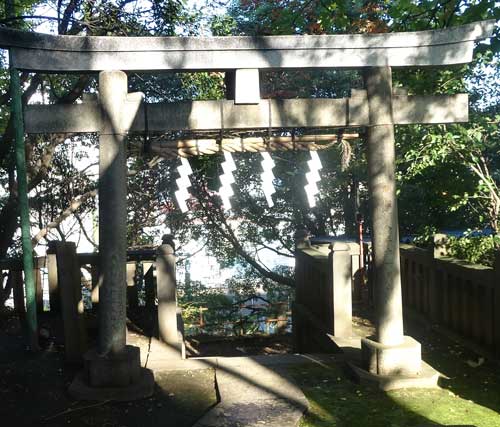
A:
x,y
238,346
33,387
33,390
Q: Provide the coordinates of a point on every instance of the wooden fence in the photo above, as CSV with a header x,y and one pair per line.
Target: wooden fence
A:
x,y
139,274
63,269
460,296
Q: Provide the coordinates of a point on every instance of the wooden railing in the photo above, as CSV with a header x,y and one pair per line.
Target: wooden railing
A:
x,y
139,263
61,271
460,296
12,274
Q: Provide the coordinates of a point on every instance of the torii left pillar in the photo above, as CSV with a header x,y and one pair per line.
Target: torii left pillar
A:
x,y
113,370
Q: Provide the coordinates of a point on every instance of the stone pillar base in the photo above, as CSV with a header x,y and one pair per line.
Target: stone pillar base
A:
x,y
401,359
113,377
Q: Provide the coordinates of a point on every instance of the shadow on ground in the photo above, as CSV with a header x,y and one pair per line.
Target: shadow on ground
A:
x,y
33,391
466,399
466,374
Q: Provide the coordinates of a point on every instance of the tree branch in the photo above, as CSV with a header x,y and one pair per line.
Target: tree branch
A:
x,y
73,206
225,230
84,231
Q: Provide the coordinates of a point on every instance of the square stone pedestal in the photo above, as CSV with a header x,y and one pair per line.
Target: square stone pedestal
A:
x,y
427,376
400,359
113,377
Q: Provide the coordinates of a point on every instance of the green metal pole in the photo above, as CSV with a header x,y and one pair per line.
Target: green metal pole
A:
x,y
22,190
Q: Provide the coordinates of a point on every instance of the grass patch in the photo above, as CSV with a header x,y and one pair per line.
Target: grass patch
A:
x,y
336,401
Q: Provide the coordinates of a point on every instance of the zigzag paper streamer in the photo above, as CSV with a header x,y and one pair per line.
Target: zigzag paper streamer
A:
x,y
183,183
312,178
267,177
226,179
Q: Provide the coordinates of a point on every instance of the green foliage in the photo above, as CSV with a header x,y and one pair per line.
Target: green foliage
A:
x,y
204,86
223,25
472,246
200,302
247,283
465,157
474,249
425,236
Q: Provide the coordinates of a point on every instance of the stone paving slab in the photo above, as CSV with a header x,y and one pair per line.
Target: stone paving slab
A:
x,y
252,394
252,391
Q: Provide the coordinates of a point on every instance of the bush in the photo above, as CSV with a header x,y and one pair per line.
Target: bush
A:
x,y
474,249
471,246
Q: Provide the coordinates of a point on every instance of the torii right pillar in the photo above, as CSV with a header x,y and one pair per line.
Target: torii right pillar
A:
x,y
390,352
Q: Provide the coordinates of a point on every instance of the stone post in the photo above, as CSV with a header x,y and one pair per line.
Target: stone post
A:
x,y
167,298
132,291
113,370
71,303
382,187
390,352
440,245
340,266
112,214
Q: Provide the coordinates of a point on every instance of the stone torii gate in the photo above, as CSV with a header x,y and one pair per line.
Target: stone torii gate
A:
x,y
116,366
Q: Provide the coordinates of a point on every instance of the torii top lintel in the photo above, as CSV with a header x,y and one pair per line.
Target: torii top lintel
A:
x,y
49,53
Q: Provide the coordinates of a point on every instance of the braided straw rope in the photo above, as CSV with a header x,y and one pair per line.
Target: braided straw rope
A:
x,y
196,147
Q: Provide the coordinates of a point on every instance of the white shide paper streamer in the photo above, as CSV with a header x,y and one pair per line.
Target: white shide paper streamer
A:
x,y
312,178
226,179
183,183
267,177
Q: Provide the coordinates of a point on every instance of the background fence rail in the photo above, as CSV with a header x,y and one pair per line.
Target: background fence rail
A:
x,y
460,296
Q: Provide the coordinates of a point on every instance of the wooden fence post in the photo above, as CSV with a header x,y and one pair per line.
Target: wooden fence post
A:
x,y
54,299
38,288
496,304
70,290
132,293
18,292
